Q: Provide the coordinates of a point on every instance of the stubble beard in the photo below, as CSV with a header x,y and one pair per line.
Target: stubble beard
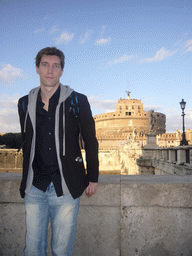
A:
x,y
51,85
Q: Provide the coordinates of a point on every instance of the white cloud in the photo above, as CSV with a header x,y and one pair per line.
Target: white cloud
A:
x,y
53,29
85,37
39,31
188,45
155,107
9,119
160,55
8,101
104,105
173,117
174,121
189,49
9,74
103,41
188,119
64,38
103,29
123,58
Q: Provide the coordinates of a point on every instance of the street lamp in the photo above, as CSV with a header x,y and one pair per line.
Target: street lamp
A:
x,y
183,142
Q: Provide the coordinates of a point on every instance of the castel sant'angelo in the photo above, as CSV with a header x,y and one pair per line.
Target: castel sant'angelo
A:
x,y
129,122
122,134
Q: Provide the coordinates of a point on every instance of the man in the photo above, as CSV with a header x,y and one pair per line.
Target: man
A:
x,y
54,176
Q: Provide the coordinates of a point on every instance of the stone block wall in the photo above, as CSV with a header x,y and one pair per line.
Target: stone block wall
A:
x,y
129,216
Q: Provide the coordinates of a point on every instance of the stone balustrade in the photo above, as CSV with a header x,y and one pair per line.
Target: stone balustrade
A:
x,y
138,215
172,160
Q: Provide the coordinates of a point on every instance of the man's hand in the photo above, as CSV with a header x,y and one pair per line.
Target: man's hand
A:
x,y
91,189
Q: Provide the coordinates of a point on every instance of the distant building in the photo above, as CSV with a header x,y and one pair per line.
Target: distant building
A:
x,y
128,123
173,139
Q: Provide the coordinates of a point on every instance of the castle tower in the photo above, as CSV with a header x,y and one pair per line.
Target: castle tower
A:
x,y
129,119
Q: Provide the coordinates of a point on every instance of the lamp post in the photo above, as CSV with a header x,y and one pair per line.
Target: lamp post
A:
x,y
183,142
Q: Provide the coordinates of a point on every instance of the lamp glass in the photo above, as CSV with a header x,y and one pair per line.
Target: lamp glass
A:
x,y
182,104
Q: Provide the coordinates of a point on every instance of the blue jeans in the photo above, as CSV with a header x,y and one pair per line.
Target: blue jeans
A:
x,y
40,207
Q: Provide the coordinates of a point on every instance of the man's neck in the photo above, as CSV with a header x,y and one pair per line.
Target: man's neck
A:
x,y
46,94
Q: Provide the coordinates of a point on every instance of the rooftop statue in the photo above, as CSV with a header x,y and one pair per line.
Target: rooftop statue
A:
x,y
128,94
152,121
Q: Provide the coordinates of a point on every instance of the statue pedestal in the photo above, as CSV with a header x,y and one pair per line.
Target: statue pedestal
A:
x,y
149,152
151,141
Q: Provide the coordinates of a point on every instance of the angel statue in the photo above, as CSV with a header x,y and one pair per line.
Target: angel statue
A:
x,y
152,121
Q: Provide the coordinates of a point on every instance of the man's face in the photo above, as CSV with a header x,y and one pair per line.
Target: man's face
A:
x,y
49,71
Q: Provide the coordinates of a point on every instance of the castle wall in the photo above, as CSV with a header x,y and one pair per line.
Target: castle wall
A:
x,y
128,122
111,161
11,160
121,160
122,124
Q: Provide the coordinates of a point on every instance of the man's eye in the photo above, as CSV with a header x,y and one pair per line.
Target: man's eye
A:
x,y
57,66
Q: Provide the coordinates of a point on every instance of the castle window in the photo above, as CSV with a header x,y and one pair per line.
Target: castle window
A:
x,y
128,113
126,107
132,107
138,107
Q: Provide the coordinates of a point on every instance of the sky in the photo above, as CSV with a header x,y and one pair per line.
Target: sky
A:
x,y
144,46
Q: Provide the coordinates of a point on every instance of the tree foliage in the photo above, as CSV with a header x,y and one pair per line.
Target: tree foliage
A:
x,y
11,140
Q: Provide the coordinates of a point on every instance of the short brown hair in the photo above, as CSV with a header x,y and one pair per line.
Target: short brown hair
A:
x,y
50,51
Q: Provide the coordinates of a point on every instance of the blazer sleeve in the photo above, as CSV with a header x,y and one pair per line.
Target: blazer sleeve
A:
x,y
22,108
90,141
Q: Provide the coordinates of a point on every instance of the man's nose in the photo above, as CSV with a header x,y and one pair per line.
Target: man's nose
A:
x,y
50,69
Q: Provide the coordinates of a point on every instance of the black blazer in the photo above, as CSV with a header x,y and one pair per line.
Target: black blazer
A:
x,y
75,175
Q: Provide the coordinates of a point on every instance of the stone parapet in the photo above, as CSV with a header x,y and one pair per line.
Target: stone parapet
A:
x,y
128,216
173,160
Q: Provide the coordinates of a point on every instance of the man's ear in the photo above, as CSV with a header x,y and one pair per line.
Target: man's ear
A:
x,y
37,70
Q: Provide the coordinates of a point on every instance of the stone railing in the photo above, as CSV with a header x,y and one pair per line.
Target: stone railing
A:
x,y
173,160
128,216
